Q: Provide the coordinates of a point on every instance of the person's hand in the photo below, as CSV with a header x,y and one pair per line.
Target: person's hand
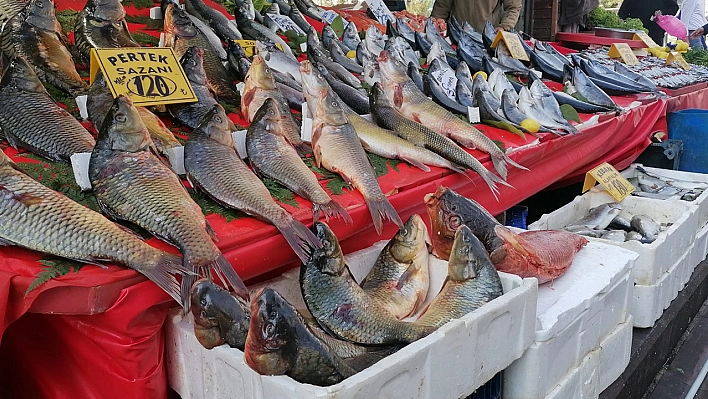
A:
x,y
697,33
498,28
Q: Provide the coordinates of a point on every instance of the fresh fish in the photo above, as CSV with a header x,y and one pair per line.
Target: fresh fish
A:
x,y
340,58
388,117
161,136
462,73
293,97
600,216
544,95
404,30
510,109
316,53
251,28
471,282
350,37
633,235
34,35
101,24
310,9
473,61
614,235
414,73
374,40
329,37
392,31
494,117
589,90
412,103
422,44
501,84
635,77
283,6
279,61
550,68
480,84
31,119
399,279
441,97
297,17
580,106
341,306
362,52
403,48
214,18
260,85
622,221
647,227
433,36
506,60
36,217
131,183
372,72
352,97
271,155
544,254
598,71
530,106
219,316
464,95
584,231
239,64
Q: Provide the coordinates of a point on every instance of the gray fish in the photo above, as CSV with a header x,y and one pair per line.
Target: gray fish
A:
x,y
350,37
432,34
600,216
279,61
464,96
647,227
462,73
283,6
297,17
219,316
330,37
584,231
101,24
532,107
635,76
589,90
190,114
441,97
614,235
550,106
501,84
318,54
352,97
414,73
622,221
309,8
405,30
251,28
480,84
374,40
214,18
633,235
340,58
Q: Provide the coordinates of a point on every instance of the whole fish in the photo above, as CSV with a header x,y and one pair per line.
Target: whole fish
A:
x,y
239,63
614,235
337,148
528,105
374,40
600,216
181,34
219,316
635,77
441,97
448,211
494,117
623,221
505,59
251,28
279,61
318,54
271,155
413,72
550,106
471,282
260,85
580,106
510,109
101,24
350,37
501,84
463,74
633,235
464,96
214,18
34,34
551,69
352,97
647,227
330,37
404,30
340,58
399,279
297,17
412,103
131,183
209,151
400,45
544,254
279,342
389,118
432,34
589,90
341,306
31,119
310,9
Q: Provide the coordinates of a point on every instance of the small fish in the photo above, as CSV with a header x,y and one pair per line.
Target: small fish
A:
x,y
214,18
297,17
600,216
614,235
279,61
623,221
472,281
329,37
101,24
633,235
339,57
647,227
317,53
255,31
530,106
352,97
350,37
399,279
219,316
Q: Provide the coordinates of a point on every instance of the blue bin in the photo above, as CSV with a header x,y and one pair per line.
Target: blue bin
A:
x,y
691,127
516,217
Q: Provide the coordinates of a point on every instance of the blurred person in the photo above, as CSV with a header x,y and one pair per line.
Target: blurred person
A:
x,y
503,14
644,10
692,15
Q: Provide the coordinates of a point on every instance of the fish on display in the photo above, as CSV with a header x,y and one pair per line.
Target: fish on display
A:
x,y
399,279
260,85
388,117
101,24
214,18
448,211
34,34
271,155
493,117
239,63
254,30
614,235
329,37
498,83
352,97
464,96
279,61
310,9
350,37
441,97
405,31
209,151
339,57
587,88
317,53
341,306
374,40
297,17
529,105
31,119
647,227
35,217
471,282
219,316
544,254
161,136
599,217
131,183
432,34
337,148
413,72
666,187
635,77
236,55
549,105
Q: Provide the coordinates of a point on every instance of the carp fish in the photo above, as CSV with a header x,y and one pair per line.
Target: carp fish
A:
x,y
101,24
219,316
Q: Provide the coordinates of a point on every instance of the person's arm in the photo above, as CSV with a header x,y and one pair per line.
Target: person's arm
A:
x,y
442,8
699,32
512,10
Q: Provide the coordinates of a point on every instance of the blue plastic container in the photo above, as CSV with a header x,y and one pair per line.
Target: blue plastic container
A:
x,y
691,127
516,216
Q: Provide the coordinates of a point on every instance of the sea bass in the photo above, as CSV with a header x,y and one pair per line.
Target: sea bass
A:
x,y
101,24
131,183
219,316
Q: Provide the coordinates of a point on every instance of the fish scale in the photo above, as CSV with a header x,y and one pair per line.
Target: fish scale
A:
x,y
101,24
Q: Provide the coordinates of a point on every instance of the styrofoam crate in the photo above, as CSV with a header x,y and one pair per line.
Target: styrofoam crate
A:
x,y
655,258
574,315
599,368
700,244
450,363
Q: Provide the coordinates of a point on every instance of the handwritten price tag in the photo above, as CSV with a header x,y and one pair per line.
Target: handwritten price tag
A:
x,y
329,16
285,23
513,43
380,10
623,52
610,179
641,35
675,56
447,80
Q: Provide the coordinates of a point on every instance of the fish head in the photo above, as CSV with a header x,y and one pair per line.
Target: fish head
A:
x,y
235,50
216,308
41,13
19,75
269,335
467,256
314,85
176,22
329,259
192,62
268,115
123,129
410,239
391,68
261,74
445,218
330,110
378,96
246,9
105,10
313,41
214,125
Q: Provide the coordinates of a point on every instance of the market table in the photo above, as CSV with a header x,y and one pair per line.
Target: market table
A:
x,y
99,330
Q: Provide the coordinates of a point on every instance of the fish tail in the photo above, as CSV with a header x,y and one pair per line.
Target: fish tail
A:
x,y
500,161
303,148
381,209
299,237
491,179
227,274
162,274
331,208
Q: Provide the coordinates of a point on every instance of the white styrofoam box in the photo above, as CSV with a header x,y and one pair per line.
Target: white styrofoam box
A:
x,y
655,258
574,314
700,244
599,368
450,363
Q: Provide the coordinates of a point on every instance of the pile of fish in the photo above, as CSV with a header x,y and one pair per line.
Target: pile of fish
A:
x,y
612,222
348,325
654,185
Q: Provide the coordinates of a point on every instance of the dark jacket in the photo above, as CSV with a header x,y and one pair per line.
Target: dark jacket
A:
x,y
644,9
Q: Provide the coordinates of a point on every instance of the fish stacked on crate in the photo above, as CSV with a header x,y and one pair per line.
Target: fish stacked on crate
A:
x,y
612,222
655,186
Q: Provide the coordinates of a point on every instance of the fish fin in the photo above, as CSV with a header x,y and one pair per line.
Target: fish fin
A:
x,y
108,211
398,96
6,243
331,208
130,231
224,271
162,275
302,148
416,117
403,279
416,163
210,231
246,100
298,236
491,179
381,209
514,164
25,199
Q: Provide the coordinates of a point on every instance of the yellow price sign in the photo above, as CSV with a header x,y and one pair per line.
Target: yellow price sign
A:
x,y
248,46
513,43
648,41
610,179
675,56
623,52
148,75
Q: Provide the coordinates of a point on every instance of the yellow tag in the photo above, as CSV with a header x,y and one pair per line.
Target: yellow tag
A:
x,y
675,56
148,75
641,35
513,43
610,179
351,54
623,52
248,46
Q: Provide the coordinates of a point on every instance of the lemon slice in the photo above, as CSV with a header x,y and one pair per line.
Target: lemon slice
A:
x,y
530,125
481,73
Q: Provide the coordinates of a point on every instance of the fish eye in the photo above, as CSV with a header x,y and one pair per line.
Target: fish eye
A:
x,y
217,118
203,302
273,314
269,330
39,3
453,207
120,118
455,222
271,112
203,314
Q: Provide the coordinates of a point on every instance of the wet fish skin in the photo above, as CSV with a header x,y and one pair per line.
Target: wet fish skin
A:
x,y
352,97
589,90
190,114
530,106
341,306
279,61
330,37
472,282
600,216
584,231
271,155
399,279
633,235
215,308
350,37
414,73
251,28
297,17
647,227
161,136
317,53
31,119
101,24
614,235
339,57
621,222
131,183
214,18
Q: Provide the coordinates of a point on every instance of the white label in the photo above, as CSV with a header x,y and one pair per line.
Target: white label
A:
x,y
473,114
81,103
447,80
80,166
380,11
305,110
156,13
176,158
162,40
240,86
447,38
371,76
306,130
594,120
417,54
303,47
285,23
240,143
329,16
